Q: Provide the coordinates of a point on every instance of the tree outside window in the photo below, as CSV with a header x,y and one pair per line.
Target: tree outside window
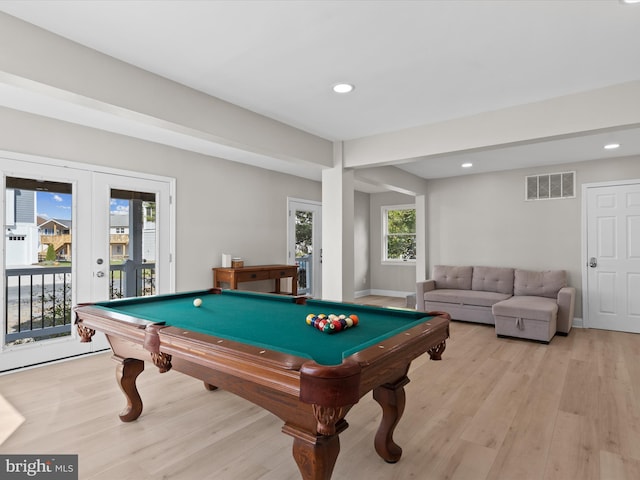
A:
x,y
399,230
304,235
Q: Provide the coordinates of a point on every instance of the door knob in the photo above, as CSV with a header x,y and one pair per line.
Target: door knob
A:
x,y
100,274
593,263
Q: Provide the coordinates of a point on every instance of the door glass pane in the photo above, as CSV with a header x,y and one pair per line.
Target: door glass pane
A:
x,y
38,245
304,251
132,244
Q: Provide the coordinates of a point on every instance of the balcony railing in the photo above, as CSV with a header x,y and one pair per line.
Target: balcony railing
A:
x,y
305,274
38,299
129,280
37,303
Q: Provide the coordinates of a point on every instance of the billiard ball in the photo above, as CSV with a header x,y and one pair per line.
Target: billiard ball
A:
x,y
197,302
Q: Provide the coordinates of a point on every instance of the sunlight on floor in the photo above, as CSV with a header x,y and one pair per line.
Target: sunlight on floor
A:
x,y
10,419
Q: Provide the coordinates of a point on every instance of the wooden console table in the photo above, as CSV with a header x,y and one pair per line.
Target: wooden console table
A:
x,y
233,276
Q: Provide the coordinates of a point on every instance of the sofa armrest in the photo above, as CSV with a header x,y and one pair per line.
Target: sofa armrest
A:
x,y
566,307
422,288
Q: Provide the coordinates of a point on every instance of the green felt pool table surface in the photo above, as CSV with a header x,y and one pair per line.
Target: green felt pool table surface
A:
x,y
274,322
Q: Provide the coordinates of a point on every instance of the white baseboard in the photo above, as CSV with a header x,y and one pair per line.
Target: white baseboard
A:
x,y
384,293
361,293
577,323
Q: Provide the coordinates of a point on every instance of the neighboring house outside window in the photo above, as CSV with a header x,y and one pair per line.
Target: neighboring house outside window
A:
x,y
399,233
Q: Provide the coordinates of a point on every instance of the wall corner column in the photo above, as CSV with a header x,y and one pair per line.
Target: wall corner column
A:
x,y
421,237
337,229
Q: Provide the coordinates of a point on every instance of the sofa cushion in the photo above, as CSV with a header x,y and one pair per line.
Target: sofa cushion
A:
x,y
539,284
536,308
492,279
452,277
465,297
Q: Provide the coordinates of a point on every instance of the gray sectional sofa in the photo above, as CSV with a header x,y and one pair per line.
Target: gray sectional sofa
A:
x,y
520,303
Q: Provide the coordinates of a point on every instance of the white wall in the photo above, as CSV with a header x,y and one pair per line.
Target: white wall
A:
x,y
361,233
484,219
391,279
221,206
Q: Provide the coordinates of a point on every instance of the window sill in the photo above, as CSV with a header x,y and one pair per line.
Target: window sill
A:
x,y
406,263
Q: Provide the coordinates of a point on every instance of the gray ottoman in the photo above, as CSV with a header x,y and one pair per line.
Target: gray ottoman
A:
x,y
533,318
411,301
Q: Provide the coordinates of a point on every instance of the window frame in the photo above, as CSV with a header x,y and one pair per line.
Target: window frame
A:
x,y
385,234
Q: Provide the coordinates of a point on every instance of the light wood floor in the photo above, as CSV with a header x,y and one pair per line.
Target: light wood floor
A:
x,y
491,409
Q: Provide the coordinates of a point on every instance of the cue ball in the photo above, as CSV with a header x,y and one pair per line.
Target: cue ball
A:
x,y
197,302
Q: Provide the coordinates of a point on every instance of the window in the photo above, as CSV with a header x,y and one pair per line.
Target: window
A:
x,y
399,233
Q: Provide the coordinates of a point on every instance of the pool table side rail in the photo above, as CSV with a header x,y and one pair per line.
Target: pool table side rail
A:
x,y
288,361
90,317
388,365
416,340
265,367
118,302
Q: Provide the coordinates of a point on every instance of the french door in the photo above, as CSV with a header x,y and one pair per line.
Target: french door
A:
x,y
304,244
131,254
612,266
75,235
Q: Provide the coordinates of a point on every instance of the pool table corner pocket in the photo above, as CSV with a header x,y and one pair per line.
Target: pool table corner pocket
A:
x,y
338,387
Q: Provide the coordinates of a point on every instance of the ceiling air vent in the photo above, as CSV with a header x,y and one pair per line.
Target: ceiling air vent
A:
x,y
550,186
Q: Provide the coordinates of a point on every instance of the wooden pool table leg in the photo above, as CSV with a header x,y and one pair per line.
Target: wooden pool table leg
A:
x,y
127,372
315,455
392,399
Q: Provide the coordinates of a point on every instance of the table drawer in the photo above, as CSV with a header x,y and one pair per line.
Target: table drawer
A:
x,y
251,276
283,272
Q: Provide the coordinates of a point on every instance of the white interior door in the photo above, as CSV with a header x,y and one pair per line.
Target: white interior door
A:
x,y
612,297
304,244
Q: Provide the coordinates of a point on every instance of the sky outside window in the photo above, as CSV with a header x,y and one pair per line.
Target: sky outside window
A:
x,y
58,205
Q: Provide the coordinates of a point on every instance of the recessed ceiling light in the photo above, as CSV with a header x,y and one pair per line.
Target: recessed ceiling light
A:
x,y
467,165
611,146
629,1
343,88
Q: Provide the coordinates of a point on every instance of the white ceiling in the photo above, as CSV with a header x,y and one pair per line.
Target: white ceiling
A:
x,y
412,62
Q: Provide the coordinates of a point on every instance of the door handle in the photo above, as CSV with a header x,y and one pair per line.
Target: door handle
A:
x,y
100,274
593,262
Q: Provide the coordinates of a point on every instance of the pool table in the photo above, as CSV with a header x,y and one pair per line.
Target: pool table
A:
x,y
260,347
